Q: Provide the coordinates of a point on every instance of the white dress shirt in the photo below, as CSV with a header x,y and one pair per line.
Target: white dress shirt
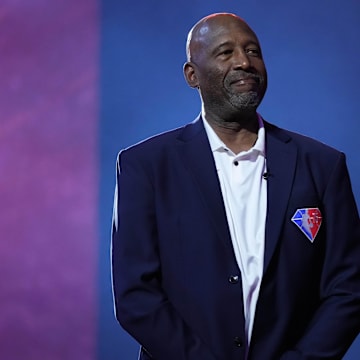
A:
x,y
244,192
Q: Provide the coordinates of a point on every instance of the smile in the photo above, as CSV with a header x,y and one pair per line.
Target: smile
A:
x,y
249,80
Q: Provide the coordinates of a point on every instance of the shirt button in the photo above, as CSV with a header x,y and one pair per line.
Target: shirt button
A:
x,y
237,341
236,163
233,279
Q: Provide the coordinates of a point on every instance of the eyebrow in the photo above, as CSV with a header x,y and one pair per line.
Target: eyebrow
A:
x,y
231,43
223,44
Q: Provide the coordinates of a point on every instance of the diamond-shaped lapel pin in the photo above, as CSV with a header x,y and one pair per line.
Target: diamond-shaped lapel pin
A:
x,y
309,221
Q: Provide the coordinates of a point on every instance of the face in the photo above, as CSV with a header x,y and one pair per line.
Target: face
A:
x,y
226,65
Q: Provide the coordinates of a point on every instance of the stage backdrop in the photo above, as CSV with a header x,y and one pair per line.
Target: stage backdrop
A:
x,y
310,48
80,80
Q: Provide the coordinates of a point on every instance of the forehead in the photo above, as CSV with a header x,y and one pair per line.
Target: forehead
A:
x,y
216,31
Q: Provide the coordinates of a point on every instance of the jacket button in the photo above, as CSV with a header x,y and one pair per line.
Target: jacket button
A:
x,y
233,279
237,341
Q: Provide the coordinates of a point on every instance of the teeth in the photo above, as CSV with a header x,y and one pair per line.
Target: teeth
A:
x,y
242,82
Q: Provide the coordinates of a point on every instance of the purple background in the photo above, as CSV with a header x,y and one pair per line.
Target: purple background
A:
x,y
49,179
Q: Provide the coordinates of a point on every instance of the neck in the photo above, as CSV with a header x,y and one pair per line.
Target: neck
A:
x,y
239,133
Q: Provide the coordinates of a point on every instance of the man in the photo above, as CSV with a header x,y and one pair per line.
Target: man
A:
x,y
234,239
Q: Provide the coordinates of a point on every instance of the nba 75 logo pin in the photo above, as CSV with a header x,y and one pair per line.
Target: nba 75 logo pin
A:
x,y
308,221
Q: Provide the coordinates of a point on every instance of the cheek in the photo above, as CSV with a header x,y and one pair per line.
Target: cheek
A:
x,y
261,69
214,78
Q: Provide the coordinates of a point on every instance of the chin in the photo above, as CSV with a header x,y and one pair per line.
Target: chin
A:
x,y
246,102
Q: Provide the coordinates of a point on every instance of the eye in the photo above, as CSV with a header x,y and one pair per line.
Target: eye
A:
x,y
226,52
253,51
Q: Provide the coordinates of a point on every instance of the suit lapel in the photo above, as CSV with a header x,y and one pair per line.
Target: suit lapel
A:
x,y
195,150
281,162
281,155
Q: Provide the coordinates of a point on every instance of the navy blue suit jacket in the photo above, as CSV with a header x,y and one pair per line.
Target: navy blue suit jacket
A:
x,y
177,286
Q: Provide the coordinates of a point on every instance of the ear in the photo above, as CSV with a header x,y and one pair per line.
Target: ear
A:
x,y
190,75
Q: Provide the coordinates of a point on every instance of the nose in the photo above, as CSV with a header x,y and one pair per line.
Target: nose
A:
x,y
241,60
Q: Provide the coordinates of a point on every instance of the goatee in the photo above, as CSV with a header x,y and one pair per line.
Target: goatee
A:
x,y
249,100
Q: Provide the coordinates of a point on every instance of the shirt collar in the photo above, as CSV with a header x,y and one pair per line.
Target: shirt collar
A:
x,y
216,144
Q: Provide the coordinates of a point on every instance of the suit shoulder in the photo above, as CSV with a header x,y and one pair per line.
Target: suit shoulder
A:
x,y
305,144
152,145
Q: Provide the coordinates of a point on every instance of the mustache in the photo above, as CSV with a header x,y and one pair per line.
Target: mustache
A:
x,y
243,75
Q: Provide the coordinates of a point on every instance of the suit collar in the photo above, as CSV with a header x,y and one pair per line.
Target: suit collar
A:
x,y
281,156
194,148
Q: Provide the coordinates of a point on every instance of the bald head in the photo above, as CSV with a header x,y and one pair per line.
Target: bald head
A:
x,y
201,33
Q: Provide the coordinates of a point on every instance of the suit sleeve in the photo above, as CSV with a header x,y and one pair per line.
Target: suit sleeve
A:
x,y
336,322
141,304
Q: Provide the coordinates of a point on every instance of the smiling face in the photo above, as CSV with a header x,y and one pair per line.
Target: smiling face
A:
x,y
226,65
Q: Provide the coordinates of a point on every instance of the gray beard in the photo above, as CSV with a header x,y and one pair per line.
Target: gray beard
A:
x,y
245,101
